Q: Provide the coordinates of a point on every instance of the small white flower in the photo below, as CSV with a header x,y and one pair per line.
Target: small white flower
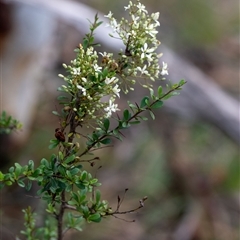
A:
x,y
127,7
164,69
110,14
76,71
110,80
111,108
83,90
104,54
134,19
150,29
114,25
116,90
97,68
89,51
152,32
146,50
141,7
149,58
142,70
155,17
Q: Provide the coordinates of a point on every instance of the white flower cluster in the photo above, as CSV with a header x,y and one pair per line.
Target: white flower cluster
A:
x,y
95,89
140,59
94,86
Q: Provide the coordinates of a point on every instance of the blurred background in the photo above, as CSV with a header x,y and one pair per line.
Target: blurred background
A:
x,y
186,161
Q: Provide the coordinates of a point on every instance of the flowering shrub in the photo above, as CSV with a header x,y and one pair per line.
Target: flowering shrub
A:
x,y
93,83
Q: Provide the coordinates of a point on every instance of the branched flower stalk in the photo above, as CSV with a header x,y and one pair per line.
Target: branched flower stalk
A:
x,y
93,83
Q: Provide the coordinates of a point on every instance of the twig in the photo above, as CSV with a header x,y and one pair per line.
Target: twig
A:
x,y
59,217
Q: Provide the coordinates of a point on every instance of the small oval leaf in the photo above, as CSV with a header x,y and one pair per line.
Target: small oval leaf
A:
x,y
157,104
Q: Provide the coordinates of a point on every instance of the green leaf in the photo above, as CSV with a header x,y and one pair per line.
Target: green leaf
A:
x,y
36,173
21,183
53,185
61,185
53,144
143,118
106,141
78,166
50,208
53,157
70,158
74,171
62,98
106,124
125,125
18,169
60,154
132,106
175,93
182,82
96,217
62,170
85,43
157,104
44,161
126,114
94,136
152,94
80,185
134,122
160,91
30,165
144,102
60,89
8,183
83,175
116,133
93,181
55,113
72,202
11,169
1,176
152,115
98,196
78,228
28,186
69,188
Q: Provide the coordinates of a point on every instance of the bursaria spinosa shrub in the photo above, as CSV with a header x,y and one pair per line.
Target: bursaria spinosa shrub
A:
x,y
93,83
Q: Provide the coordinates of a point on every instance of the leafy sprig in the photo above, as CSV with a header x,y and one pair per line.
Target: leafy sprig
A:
x,y
8,124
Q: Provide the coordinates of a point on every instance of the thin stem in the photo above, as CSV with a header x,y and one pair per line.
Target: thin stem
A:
x,y
60,217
